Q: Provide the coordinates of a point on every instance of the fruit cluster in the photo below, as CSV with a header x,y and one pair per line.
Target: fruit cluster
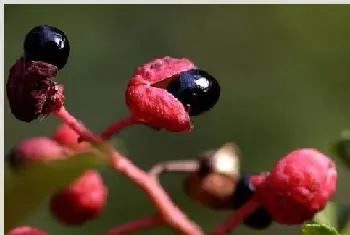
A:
x,y
163,94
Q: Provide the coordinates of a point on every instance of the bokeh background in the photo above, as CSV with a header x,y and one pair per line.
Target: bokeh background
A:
x,y
284,73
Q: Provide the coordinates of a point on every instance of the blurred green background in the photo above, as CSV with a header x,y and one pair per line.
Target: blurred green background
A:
x,y
284,73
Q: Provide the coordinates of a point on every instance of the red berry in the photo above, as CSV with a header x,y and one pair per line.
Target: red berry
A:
x,y
36,149
150,102
66,136
32,91
299,186
80,202
26,230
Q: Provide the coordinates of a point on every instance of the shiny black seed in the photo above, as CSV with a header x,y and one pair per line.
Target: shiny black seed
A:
x,y
196,89
47,44
244,191
260,219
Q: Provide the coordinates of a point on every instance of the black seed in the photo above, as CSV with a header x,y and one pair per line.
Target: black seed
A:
x,y
244,191
260,219
47,44
196,90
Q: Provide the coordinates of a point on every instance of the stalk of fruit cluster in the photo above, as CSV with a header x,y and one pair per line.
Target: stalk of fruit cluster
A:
x,y
237,217
141,224
115,128
169,212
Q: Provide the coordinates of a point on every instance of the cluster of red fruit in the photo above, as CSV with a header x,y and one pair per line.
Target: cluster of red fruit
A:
x,y
85,198
162,94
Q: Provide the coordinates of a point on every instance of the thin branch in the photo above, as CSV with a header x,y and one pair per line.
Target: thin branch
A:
x,y
116,127
137,225
155,220
76,125
237,217
181,166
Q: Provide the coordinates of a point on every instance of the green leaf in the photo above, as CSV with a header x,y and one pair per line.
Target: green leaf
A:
x,y
328,216
346,228
318,229
335,215
27,189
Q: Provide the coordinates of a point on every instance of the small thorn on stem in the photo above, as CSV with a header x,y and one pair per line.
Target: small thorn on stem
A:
x,y
142,224
237,217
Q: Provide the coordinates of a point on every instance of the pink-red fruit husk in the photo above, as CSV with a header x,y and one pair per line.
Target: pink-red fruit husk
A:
x,y
299,186
150,102
26,230
81,201
36,150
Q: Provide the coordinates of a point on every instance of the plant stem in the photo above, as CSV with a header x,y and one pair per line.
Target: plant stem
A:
x,y
237,217
137,225
76,125
169,212
117,127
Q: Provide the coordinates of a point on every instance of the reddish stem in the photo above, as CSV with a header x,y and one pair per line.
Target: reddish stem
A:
x,y
258,180
237,217
249,207
117,127
169,212
76,125
137,225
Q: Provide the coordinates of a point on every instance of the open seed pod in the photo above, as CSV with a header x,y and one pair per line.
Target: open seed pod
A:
x,y
215,180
